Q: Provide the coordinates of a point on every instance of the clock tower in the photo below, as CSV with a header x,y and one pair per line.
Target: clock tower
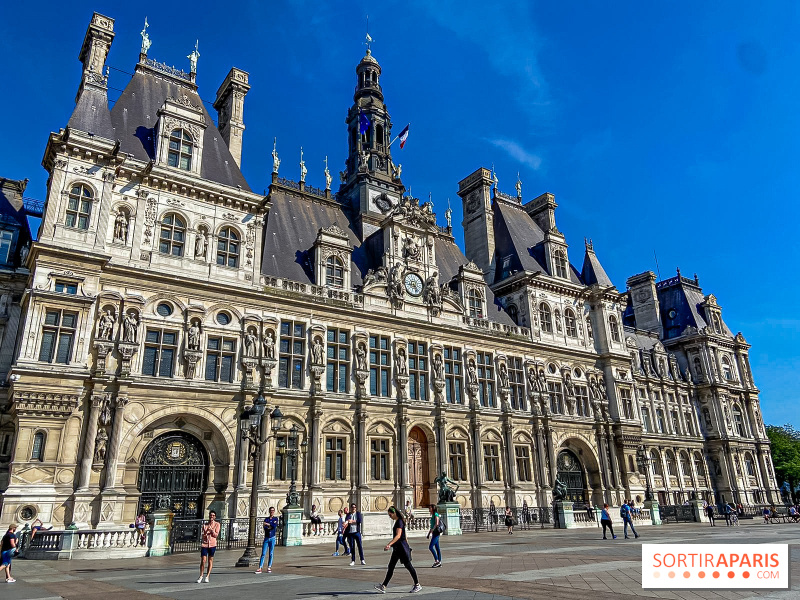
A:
x,y
371,180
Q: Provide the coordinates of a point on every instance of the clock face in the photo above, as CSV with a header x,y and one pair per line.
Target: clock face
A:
x,y
413,284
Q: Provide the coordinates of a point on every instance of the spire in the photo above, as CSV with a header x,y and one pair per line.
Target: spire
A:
x,y
593,272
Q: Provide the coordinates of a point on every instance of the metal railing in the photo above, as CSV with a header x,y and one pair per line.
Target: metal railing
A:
x,y
677,513
186,534
483,519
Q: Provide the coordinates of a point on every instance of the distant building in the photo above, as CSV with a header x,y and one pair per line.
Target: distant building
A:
x,y
165,296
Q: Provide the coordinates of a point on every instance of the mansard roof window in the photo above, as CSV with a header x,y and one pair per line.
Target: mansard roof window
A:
x,y
180,150
228,248
334,272
475,302
727,372
613,325
560,264
173,235
79,207
513,312
545,318
6,241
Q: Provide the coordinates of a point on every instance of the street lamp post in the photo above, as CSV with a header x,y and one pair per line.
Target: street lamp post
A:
x,y
644,462
292,452
251,431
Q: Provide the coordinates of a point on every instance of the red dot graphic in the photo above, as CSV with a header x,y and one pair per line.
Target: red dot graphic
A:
x,y
731,574
716,574
686,574
701,574
746,574
672,574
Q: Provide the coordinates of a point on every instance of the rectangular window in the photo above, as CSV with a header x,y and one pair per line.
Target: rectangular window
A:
x,y
220,359
523,463
6,238
418,370
5,449
627,403
160,348
556,397
337,376
453,375
660,419
292,353
516,379
582,401
379,459
676,424
646,425
284,471
689,423
66,287
58,334
486,379
335,458
491,462
379,366
458,461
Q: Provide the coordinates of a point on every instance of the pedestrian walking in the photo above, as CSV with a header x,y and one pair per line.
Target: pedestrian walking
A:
x,y
356,522
7,550
340,537
726,512
605,521
434,533
316,521
208,545
400,553
627,519
710,514
509,520
270,537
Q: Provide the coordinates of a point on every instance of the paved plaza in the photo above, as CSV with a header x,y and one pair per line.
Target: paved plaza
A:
x,y
548,564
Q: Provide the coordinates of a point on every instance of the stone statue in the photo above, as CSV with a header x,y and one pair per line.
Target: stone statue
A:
x,y
518,187
472,373
495,179
145,38
269,345
5,300
559,490
400,362
317,352
448,216
438,366
503,373
121,227
200,244
276,162
396,170
568,385
194,336
23,254
361,357
105,325
432,293
249,344
303,169
193,58
635,363
533,380
362,160
130,325
395,289
411,249
327,175
100,445
601,384
446,492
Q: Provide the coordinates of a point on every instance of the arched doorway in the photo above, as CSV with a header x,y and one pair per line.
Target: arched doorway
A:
x,y
418,477
570,472
173,475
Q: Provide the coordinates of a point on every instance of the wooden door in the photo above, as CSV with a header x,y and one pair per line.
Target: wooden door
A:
x,y
418,466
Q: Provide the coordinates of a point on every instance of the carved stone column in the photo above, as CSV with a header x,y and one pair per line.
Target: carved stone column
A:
x,y
363,459
477,468
511,475
441,439
316,417
402,429
113,447
243,459
88,447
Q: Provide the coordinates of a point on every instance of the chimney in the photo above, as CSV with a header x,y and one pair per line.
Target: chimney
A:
x,y
475,192
96,44
644,298
543,211
230,108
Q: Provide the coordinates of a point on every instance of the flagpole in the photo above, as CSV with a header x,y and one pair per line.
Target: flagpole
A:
x,y
397,136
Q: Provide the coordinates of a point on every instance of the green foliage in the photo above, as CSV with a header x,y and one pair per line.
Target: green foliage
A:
x,y
785,453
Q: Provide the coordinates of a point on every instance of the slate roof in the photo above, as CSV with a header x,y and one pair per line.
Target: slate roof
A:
x,y
593,272
91,113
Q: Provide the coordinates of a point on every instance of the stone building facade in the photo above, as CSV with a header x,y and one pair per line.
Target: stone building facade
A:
x,y
165,295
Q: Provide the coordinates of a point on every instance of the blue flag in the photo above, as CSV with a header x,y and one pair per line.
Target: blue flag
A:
x,y
363,123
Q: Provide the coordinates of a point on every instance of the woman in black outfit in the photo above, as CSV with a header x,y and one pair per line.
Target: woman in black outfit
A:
x,y
400,552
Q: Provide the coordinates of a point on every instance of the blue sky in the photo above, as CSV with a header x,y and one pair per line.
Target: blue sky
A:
x,y
667,129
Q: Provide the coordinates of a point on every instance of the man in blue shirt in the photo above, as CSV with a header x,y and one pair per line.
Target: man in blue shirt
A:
x,y
355,523
625,513
270,531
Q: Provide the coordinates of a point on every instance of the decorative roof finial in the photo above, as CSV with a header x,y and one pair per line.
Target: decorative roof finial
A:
x,y
368,38
589,245
448,215
327,175
276,162
145,38
519,187
303,169
494,178
193,58
679,272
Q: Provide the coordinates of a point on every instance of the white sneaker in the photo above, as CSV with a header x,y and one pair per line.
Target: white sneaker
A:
x,y
352,563
381,588
200,579
417,588
11,580
363,562
206,578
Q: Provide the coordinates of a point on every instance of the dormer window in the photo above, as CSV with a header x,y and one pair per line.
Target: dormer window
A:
x,y
727,372
180,150
475,302
334,272
6,239
67,287
570,323
560,264
79,207
613,325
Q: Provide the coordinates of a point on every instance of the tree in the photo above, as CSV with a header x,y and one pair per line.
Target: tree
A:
x,y
785,453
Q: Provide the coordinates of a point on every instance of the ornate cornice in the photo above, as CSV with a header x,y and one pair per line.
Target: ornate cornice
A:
x,y
35,404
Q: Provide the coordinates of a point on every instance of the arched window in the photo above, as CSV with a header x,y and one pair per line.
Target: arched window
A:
x,y
738,421
180,150
570,324
545,318
475,301
173,235
614,327
513,312
334,272
727,372
37,452
228,247
655,460
560,264
379,139
685,471
79,207
717,323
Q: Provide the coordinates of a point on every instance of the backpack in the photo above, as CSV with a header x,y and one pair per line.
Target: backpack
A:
x,y
623,511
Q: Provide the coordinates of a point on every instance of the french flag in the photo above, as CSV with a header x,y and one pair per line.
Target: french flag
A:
x,y
403,136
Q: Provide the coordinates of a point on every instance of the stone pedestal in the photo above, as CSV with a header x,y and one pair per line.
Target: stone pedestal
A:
x,y
655,514
450,513
292,526
699,513
158,536
564,515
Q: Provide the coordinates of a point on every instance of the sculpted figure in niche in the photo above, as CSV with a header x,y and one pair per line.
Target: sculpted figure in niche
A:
x,y
432,293
194,336
400,362
438,366
533,380
395,288
5,300
105,411
121,227
105,327
269,344
249,344
411,249
200,244
472,373
23,254
361,357
503,376
317,351
130,325
100,445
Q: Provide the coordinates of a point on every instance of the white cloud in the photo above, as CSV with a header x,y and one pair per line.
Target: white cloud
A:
x,y
518,153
